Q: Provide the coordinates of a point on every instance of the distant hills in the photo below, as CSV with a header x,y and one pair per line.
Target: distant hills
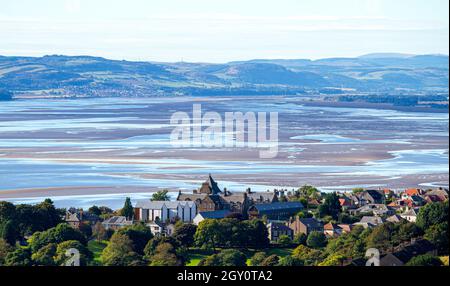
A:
x,y
95,76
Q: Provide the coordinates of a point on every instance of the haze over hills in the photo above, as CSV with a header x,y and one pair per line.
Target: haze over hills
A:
x,y
72,76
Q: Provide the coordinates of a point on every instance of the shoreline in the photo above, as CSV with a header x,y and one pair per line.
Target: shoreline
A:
x,y
301,100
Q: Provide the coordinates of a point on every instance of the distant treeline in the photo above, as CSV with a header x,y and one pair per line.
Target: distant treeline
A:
x,y
397,100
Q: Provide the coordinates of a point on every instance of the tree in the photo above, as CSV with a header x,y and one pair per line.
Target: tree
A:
x,y
139,235
333,260
44,256
300,238
227,257
85,254
406,231
357,190
258,235
284,241
127,210
331,206
7,211
316,239
257,258
432,214
166,255
99,232
438,235
208,234
47,214
5,248
86,229
119,252
19,257
272,260
381,236
306,255
424,260
9,231
160,196
184,234
151,246
95,210
309,192
62,232
290,261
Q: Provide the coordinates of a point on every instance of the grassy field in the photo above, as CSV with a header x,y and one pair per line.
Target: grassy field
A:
x,y
96,247
196,255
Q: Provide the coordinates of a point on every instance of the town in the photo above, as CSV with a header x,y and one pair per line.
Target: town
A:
x,y
211,226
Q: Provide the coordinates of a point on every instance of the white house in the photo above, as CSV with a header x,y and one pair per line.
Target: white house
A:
x,y
410,215
165,210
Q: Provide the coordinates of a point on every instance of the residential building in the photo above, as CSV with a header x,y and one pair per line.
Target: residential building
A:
x,y
116,222
164,211
277,229
201,216
157,228
332,230
371,197
275,211
373,209
410,215
370,221
211,198
346,228
394,218
77,217
305,225
402,255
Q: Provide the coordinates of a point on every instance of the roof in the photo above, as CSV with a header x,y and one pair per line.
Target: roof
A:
x,y
419,247
374,220
331,226
118,220
211,186
191,197
412,192
345,202
439,192
346,227
279,206
264,196
214,214
234,197
376,195
311,222
278,226
152,205
79,216
410,212
395,218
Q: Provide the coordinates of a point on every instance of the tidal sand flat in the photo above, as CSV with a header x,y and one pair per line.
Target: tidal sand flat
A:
x,y
102,150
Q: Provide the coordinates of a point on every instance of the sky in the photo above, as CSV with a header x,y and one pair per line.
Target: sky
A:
x,y
222,30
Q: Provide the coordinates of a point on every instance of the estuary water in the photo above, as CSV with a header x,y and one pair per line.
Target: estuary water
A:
x,y
98,151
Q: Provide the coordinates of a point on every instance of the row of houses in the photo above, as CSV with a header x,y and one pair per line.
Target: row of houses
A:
x,y
210,202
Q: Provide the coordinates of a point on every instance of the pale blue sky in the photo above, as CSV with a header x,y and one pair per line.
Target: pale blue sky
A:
x,y
222,30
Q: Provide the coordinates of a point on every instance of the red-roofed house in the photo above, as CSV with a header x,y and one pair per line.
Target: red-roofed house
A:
x,y
332,230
